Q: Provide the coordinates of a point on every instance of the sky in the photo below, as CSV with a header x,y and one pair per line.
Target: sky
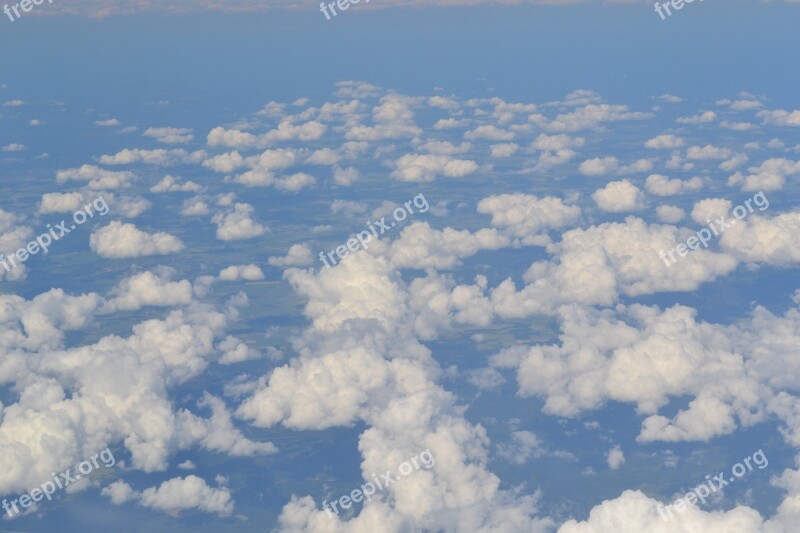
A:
x,y
460,266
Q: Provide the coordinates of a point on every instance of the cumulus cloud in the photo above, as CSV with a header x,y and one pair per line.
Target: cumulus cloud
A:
x,y
668,142
423,168
245,272
96,177
661,185
619,196
149,289
119,240
298,255
598,166
238,224
175,495
171,184
528,217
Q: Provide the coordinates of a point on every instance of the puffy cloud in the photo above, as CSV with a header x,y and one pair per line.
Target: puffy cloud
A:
x,y
780,117
528,217
661,185
54,202
555,150
598,166
195,207
707,152
702,118
592,116
760,239
171,184
220,136
245,272
182,494
504,149
96,177
768,176
149,289
615,458
74,401
357,361
345,176
420,246
238,224
118,240
664,142
633,512
670,214
119,492
619,196
423,168
235,351
298,255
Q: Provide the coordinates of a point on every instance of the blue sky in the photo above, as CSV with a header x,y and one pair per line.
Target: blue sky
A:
x,y
520,325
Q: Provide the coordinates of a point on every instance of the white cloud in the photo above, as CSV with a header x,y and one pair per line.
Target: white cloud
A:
x,y
171,184
703,118
170,135
424,168
708,152
664,142
158,157
598,166
118,240
615,458
490,132
619,196
298,255
182,494
149,289
670,214
97,178
768,176
661,185
528,217
245,272
238,224
504,149
14,147
780,117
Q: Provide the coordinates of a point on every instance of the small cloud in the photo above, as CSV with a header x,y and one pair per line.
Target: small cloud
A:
x,y
615,458
14,147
